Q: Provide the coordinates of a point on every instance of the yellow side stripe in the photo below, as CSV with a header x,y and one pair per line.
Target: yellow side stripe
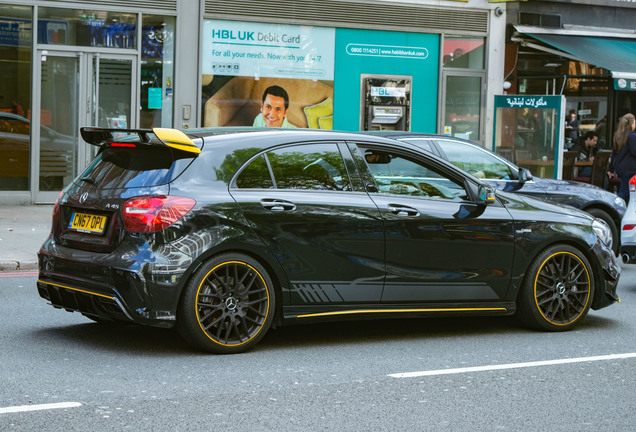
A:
x,y
176,139
78,290
351,312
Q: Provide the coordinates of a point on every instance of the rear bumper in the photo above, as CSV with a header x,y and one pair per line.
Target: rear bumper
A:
x,y
75,299
134,283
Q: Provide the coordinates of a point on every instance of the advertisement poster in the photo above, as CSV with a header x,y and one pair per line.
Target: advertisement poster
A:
x,y
257,74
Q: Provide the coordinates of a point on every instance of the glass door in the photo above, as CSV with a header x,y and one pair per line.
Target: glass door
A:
x,y
463,105
76,90
111,96
56,139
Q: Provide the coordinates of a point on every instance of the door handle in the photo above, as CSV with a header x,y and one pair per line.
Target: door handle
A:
x,y
277,205
403,211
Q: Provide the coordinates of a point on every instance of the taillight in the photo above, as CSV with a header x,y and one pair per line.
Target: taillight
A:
x,y
632,184
154,213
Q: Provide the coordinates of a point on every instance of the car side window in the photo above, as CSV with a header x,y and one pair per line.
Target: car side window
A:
x,y
256,175
304,167
478,162
309,167
397,174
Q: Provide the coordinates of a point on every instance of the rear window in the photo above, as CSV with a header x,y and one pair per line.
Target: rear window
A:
x,y
138,167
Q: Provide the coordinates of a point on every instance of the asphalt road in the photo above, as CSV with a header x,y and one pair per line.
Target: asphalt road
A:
x,y
336,376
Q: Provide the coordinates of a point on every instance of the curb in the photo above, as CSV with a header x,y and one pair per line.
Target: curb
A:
x,y
7,266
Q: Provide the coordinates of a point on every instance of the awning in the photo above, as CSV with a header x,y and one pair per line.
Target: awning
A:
x,y
616,54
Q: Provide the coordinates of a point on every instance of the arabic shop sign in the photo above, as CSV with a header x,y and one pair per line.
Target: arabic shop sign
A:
x,y
625,84
515,101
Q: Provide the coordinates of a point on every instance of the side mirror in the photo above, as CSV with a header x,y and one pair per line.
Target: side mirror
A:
x,y
524,175
486,195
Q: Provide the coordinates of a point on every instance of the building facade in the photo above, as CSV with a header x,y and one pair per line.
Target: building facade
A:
x,y
424,66
584,50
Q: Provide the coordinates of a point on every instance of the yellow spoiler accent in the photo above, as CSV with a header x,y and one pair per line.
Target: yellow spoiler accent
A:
x,y
176,139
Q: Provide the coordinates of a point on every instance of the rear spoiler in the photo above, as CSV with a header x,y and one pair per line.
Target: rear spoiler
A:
x,y
158,137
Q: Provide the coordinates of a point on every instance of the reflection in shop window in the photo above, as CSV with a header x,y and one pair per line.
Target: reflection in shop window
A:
x,y
58,26
15,97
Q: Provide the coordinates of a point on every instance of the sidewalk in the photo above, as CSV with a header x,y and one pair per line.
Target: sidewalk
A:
x,y
23,229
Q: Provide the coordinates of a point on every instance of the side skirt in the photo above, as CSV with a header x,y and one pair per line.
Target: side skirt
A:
x,y
300,314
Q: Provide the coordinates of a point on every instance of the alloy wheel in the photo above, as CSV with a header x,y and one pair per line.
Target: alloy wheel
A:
x,y
232,303
562,288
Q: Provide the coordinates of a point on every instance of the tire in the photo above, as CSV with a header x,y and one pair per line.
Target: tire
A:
x,y
616,239
557,291
227,306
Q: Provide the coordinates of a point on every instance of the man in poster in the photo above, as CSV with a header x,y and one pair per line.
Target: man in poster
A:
x,y
274,109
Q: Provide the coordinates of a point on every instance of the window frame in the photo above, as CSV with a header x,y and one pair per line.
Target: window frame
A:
x,y
428,163
440,148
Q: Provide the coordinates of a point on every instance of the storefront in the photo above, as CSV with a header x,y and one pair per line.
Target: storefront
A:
x,y
585,51
423,72
206,63
64,68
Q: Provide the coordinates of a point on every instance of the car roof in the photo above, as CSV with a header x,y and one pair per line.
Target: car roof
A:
x,y
266,137
404,134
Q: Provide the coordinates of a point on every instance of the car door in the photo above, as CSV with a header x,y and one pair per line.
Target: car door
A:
x,y
326,233
440,245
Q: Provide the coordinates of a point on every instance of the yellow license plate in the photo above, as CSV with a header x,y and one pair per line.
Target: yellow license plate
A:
x,y
87,223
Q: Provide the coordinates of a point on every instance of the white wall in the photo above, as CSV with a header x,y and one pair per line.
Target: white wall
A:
x,y
187,66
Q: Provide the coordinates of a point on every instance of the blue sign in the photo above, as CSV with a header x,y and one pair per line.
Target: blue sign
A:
x,y
15,31
154,98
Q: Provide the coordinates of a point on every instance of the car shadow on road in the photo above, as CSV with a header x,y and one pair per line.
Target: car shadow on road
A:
x,y
157,342
115,337
411,329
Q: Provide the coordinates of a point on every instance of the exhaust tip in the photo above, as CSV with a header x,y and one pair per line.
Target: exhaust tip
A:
x,y
626,258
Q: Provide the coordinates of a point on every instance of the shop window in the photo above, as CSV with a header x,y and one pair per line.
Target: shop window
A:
x,y
463,52
462,106
15,97
157,71
528,130
86,28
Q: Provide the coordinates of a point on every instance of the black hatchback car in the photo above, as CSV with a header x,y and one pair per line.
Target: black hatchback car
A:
x,y
226,235
503,174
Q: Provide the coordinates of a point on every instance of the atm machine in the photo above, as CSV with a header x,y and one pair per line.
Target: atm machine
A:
x,y
386,102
